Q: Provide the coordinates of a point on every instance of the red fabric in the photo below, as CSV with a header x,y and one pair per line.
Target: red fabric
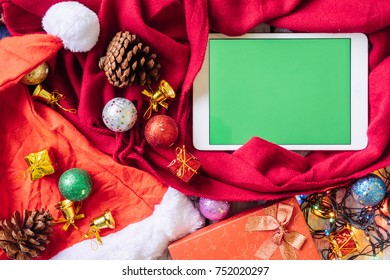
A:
x,y
34,45
177,32
28,126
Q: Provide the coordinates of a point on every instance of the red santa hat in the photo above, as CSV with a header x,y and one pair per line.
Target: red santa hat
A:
x,y
173,217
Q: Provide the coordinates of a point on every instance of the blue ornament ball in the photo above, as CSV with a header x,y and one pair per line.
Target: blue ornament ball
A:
x,y
369,190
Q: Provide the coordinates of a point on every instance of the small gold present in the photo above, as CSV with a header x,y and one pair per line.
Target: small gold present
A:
x,y
39,164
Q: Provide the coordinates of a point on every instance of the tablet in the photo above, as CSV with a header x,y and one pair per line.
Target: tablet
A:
x,y
300,91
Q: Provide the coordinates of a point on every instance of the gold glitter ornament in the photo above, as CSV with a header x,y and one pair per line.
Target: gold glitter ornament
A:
x,y
36,76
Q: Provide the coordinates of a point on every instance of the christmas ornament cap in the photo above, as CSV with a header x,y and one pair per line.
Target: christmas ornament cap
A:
x,y
75,184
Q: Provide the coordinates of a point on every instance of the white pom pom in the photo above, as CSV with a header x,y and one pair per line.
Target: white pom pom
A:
x,y
76,25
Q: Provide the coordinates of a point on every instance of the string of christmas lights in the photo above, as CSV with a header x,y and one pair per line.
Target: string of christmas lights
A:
x,y
352,231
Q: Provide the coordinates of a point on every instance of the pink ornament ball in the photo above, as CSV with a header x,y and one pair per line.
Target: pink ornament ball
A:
x,y
214,210
161,131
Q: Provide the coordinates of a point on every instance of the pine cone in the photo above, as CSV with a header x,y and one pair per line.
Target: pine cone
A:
x,y
26,238
128,61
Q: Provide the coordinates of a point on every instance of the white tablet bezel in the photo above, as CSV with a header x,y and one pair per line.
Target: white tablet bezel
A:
x,y
359,94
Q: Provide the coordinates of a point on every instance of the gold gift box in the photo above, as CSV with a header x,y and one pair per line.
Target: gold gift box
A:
x,y
39,164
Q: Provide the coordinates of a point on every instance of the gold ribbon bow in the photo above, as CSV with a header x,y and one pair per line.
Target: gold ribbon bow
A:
x,y
94,231
277,218
181,156
39,164
55,97
50,98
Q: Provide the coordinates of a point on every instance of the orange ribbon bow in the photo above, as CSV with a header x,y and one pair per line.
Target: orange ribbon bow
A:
x,y
278,217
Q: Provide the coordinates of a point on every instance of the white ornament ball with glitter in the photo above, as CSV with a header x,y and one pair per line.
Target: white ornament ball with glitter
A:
x,y
119,114
76,25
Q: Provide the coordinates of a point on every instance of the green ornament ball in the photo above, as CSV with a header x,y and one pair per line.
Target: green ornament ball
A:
x,y
75,184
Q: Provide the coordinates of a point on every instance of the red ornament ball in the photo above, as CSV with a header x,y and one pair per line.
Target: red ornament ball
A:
x,y
161,131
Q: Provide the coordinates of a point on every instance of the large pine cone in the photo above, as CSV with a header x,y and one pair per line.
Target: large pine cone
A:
x,y
25,238
128,61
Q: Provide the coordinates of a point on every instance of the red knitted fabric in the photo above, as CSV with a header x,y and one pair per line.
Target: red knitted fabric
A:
x,y
177,32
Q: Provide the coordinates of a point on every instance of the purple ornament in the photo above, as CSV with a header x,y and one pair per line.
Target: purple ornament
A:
x,y
214,210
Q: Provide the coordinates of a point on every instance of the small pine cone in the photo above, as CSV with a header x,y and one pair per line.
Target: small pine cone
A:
x,y
25,238
128,61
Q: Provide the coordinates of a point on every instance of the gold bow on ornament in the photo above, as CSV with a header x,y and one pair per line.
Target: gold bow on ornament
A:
x,y
277,218
158,97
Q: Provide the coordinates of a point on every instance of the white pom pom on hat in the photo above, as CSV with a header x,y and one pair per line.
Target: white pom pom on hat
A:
x,y
75,24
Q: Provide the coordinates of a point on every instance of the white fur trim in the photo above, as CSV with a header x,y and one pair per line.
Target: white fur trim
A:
x,y
174,218
75,24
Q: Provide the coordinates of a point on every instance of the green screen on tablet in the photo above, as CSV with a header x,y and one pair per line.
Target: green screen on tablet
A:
x,y
294,92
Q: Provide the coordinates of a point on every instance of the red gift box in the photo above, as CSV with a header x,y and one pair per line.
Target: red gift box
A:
x,y
185,166
276,232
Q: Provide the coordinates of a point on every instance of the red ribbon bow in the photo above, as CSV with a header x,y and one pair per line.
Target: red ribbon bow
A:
x,y
277,219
